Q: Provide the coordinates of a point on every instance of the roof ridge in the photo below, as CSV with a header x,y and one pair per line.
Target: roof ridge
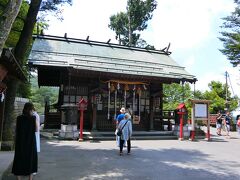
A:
x,y
99,43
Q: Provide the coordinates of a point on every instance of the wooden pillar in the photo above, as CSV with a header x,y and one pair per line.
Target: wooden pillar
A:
x,y
151,113
1,120
151,107
94,117
161,104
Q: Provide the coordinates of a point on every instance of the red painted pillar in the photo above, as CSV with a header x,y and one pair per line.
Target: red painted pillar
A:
x,y
208,134
192,135
81,126
208,130
181,127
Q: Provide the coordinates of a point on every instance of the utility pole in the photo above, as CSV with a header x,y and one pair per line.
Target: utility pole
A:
x,y
226,101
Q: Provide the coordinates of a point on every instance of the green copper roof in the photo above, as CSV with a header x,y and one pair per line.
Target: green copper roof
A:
x,y
105,57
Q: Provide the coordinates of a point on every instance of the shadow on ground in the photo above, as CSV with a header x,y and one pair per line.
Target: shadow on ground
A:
x,y
73,162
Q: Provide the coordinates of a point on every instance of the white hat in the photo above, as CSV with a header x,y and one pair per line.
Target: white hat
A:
x,y
127,116
122,110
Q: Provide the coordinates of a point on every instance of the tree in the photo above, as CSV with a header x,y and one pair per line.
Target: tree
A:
x,y
231,36
7,17
175,94
128,25
21,52
217,95
39,95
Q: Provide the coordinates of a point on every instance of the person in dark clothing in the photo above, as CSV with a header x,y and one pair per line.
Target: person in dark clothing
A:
x,y
25,158
219,123
228,122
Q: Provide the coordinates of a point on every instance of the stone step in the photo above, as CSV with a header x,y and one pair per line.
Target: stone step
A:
x,y
96,135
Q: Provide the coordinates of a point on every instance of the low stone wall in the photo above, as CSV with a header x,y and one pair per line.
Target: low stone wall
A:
x,y
18,107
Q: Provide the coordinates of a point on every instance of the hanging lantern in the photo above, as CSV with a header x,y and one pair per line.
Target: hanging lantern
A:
x,y
112,88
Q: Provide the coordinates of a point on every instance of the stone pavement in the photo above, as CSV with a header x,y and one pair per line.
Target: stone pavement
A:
x,y
152,159
6,158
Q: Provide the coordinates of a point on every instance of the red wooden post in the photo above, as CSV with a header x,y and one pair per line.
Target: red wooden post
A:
x,y
181,127
81,125
82,105
208,129
181,111
192,135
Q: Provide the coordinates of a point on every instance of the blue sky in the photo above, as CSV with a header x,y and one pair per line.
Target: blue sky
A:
x,y
191,26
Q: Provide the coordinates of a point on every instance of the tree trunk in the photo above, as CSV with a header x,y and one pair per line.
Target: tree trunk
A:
x,y
23,44
7,19
9,116
129,30
129,24
20,52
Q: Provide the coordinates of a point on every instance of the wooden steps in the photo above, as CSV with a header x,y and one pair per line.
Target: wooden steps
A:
x,y
52,120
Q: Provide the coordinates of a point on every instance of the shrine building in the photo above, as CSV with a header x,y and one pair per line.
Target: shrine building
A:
x,y
109,76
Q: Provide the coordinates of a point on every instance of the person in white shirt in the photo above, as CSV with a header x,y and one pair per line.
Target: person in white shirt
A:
x,y
37,134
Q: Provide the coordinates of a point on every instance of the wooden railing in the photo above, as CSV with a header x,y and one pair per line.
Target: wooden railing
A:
x,y
52,117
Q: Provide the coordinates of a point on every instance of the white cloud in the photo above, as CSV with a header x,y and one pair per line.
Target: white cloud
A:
x,y
87,18
189,62
233,83
185,23
205,79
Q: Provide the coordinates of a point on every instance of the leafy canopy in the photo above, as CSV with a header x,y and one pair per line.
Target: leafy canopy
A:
x,y
231,36
127,25
176,93
40,95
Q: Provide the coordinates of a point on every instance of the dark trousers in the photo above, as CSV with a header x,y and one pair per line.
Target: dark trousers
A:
x,y
128,145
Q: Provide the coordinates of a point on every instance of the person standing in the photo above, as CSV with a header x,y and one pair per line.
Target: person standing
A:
x,y
119,118
126,126
228,122
219,123
129,111
25,157
238,125
37,133
121,115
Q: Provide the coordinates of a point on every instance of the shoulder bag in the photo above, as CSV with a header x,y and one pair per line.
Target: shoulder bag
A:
x,y
119,131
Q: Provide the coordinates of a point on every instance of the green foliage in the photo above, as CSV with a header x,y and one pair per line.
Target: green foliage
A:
x,y
217,95
53,7
42,94
118,24
231,36
140,12
198,95
175,94
3,4
127,25
24,90
17,25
